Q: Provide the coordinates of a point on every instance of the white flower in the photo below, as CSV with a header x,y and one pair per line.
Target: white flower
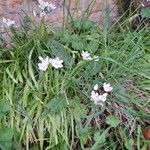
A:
x,y
96,58
103,97
56,62
51,7
107,87
45,5
86,55
44,63
42,7
8,22
94,96
42,14
95,87
42,4
98,99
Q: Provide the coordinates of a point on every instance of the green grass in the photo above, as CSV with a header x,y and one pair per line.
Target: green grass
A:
x,y
52,109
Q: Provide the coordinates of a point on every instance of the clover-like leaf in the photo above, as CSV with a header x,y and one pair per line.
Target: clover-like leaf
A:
x,y
112,120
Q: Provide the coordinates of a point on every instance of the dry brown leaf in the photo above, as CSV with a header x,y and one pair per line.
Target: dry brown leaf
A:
x,y
146,133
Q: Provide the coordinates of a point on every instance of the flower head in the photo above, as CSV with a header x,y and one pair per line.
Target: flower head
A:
x,y
95,87
98,99
44,63
56,62
86,55
94,96
46,6
103,97
42,4
8,22
51,7
107,87
42,14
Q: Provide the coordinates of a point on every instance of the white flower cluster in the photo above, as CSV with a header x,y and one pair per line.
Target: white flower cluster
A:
x,y
8,22
45,7
55,62
86,56
100,99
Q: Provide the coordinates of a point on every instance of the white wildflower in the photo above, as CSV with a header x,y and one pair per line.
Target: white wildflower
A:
x,y
103,97
94,96
98,99
86,55
42,4
51,7
42,7
46,6
107,87
95,87
42,14
56,62
44,63
8,22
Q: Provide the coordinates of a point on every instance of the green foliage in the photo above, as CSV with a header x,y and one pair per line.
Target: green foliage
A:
x,y
52,109
81,24
56,105
4,108
78,43
6,136
99,139
129,144
145,13
113,121
83,35
59,51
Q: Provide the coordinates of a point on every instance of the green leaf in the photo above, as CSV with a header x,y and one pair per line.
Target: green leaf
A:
x,y
79,67
92,46
77,42
145,13
64,35
6,135
99,138
4,106
76,24
84,134
78,109
129,144
59,51
86,24
113,121
34,148
56,105
145,87
93,68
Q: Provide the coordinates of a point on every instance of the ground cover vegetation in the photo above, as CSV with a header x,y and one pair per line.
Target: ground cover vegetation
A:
x,y
78,87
